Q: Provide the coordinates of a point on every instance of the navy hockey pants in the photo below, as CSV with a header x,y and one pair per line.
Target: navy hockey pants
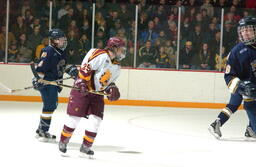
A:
x,y
49,95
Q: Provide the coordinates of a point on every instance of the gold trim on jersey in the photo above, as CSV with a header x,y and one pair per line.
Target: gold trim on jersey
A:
x,y
96,53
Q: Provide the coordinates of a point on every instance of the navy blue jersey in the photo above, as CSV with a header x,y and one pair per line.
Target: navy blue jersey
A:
x,y
241,64
52,63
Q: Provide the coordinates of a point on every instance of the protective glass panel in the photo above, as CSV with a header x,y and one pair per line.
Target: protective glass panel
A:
x,y
2,30
115,19
75,19
200,38
28,25
157,36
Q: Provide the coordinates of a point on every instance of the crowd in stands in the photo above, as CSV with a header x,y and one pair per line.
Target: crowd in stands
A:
x,y
200,30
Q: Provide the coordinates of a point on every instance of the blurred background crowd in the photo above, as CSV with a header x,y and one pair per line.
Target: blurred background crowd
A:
x,y
200,39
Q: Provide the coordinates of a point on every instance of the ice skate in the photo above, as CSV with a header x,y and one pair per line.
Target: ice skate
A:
x,y
249,133
43,136
63,149
214,129
86,152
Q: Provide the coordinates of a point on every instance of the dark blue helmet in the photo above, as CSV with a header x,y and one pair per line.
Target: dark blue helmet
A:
x,y
56,33
58,38
247,30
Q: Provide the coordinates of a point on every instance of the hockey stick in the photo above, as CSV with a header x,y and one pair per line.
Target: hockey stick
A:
x,y
72,87
56,82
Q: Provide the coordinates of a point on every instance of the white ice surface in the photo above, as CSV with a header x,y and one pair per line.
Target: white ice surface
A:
x,y
129,136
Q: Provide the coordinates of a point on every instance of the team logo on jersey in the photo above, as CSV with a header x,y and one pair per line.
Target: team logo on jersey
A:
x,y
44,54
228,69
105,78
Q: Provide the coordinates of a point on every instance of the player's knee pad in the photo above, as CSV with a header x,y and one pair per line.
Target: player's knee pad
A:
x,y
93,123
72,121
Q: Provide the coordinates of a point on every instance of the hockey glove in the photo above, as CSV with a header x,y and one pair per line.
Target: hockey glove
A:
x,y
37,85
72,71
247,89
113,92
82,86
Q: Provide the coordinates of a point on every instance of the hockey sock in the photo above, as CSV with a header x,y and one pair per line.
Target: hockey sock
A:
x,y
89,138
223,118
45,120
66,134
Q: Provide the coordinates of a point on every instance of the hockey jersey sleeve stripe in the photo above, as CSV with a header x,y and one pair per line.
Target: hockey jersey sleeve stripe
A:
x,y
96,53
233,84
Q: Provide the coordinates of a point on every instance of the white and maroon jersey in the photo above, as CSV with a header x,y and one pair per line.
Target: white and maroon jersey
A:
x,y
105,72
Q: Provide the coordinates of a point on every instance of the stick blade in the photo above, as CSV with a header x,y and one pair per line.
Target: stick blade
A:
x,y
5,88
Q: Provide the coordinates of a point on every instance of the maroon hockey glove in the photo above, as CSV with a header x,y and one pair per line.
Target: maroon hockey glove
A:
x,y
113,92
82,85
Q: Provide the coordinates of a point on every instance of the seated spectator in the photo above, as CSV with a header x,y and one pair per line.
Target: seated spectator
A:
x,y
19,27
162,59
208,7
220,61
147,56
204,60
35,38
44,43
24,53
84,45
186,56
72,48
171,53
13,53
128,60
86,28
149,34
11,39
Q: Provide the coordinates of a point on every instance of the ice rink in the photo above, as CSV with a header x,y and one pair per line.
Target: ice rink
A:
x,y
129,136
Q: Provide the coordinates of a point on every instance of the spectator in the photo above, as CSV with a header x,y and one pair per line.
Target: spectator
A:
x,y
43,44
72,48
128,60
11,39
113,30
162,59
19,27
196,37
171,53
147,56
24,54
149,34
204,59
125,15
229,35
66,19
86,28
28,18
73,27
84,45
186,56
34,39
215,43
208,7
63,11
13,53
221,61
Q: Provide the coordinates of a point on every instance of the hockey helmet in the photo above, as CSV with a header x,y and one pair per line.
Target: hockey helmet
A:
x,y
58,38
247,30
116,42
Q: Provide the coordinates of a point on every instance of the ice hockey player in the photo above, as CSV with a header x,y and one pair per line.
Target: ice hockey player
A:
x,y
50,67
240,77
234,103
99,70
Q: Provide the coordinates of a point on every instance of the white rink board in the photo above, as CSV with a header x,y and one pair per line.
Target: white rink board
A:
x,y
135,84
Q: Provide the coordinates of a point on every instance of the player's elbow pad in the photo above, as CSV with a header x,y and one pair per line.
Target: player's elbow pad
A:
x,y
233,85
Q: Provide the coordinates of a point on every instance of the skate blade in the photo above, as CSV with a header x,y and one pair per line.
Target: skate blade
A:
x,y
64,154
83,155
46,140
214,134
